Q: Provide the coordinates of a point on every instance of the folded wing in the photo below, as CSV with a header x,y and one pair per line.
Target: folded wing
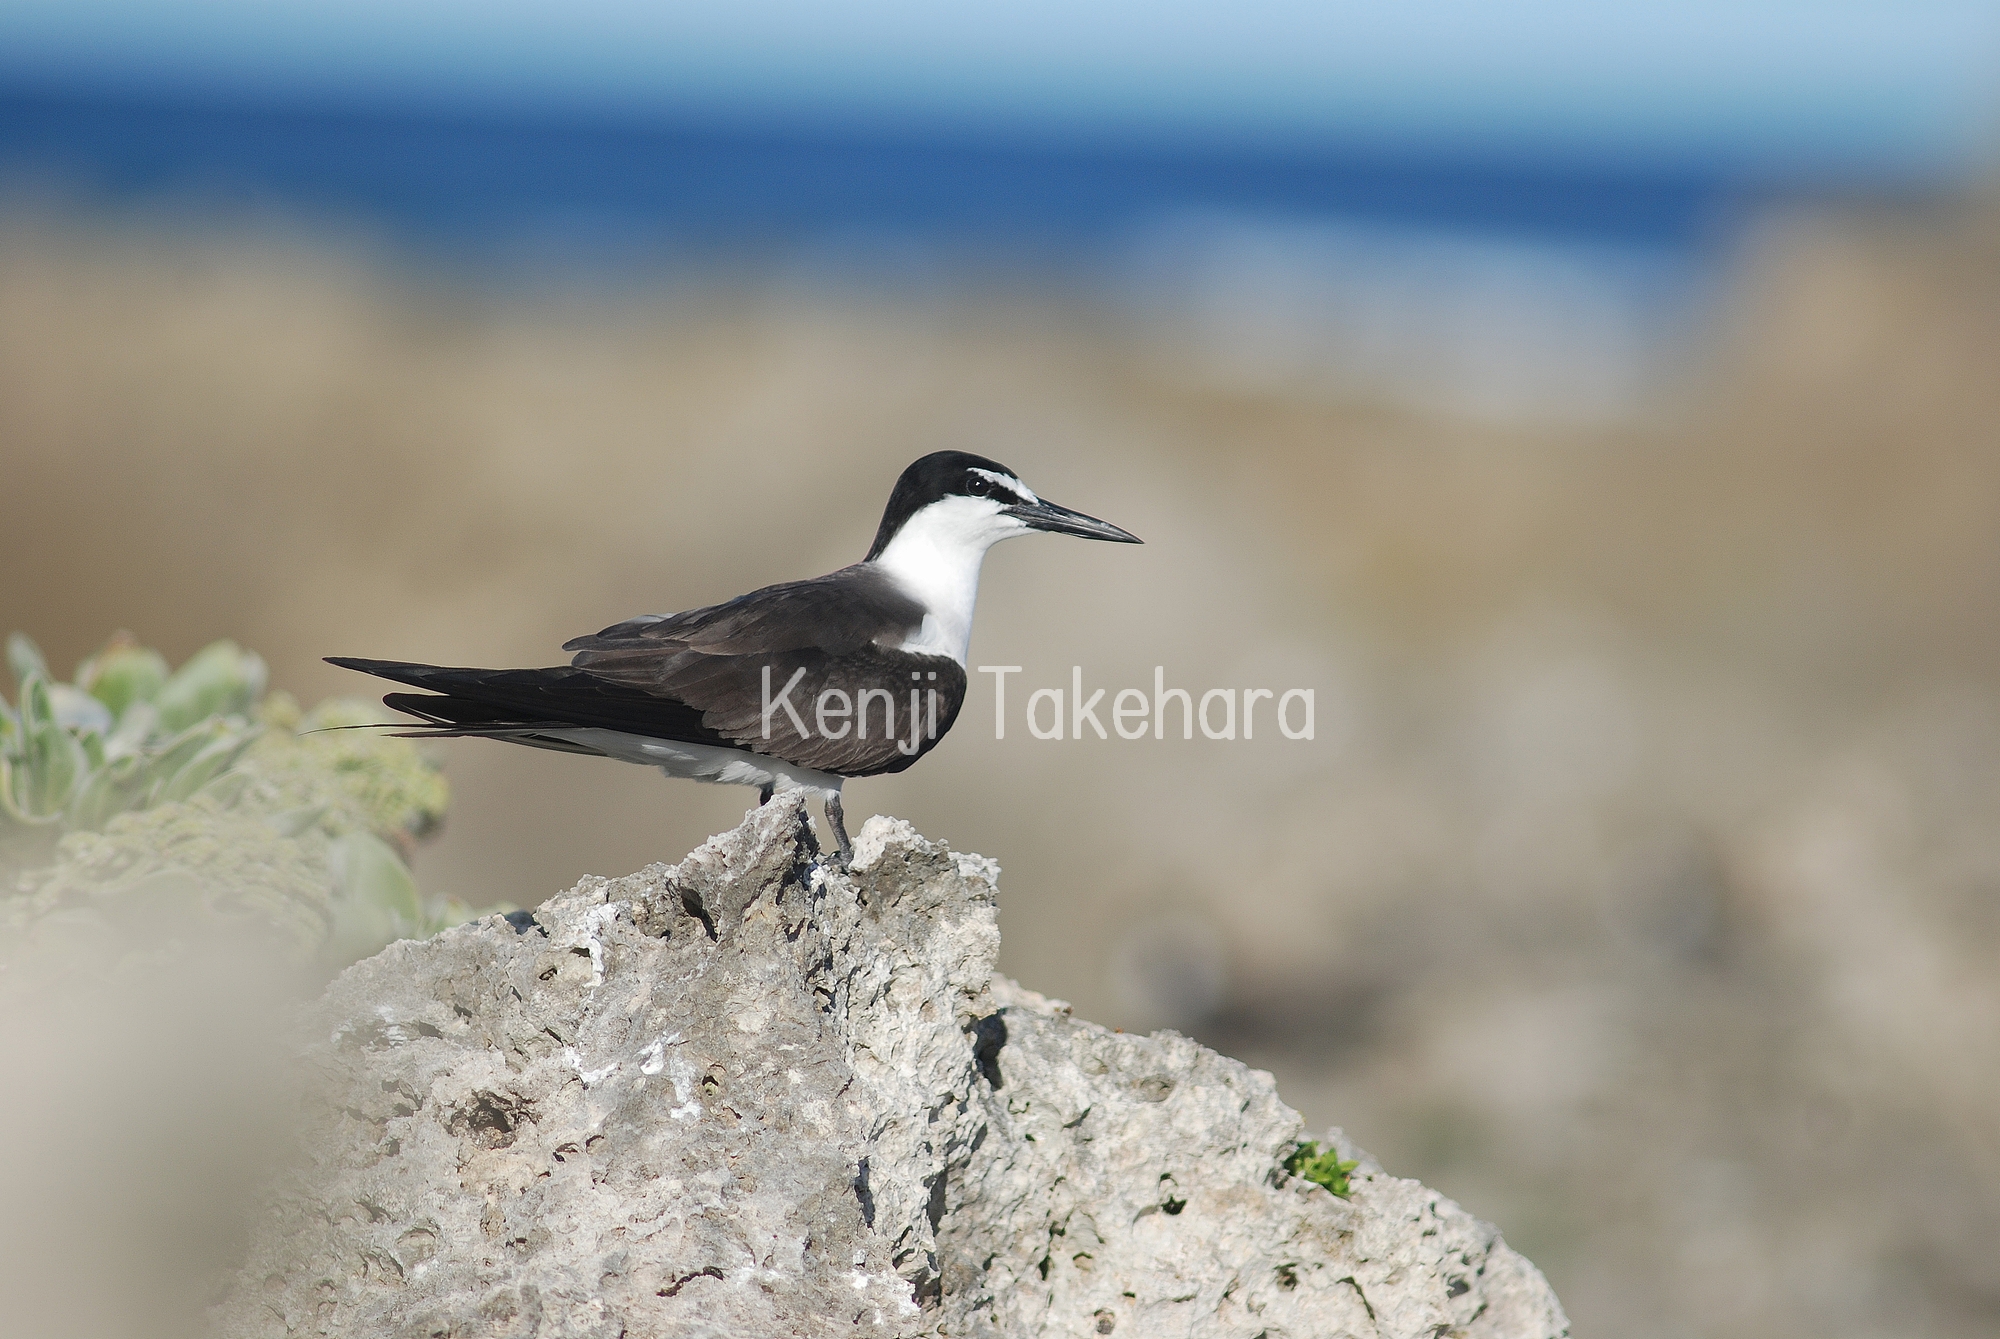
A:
x,y
769,672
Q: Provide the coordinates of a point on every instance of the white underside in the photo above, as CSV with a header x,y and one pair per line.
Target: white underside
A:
x,y
703,762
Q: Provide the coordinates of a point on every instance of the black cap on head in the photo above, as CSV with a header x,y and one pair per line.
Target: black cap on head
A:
x,y
940,474
944,474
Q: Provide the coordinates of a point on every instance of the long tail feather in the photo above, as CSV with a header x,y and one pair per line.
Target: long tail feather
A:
x,y
527,705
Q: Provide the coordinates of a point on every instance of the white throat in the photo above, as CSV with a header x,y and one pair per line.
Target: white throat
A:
x,y
935,558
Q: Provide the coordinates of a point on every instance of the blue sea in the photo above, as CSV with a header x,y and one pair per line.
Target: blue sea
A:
x,y
459,181
1516,278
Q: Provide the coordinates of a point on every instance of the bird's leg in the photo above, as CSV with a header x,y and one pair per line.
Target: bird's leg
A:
x,y
764,795
838,822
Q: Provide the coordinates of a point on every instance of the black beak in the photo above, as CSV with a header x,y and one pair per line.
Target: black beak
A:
x,y
1063,521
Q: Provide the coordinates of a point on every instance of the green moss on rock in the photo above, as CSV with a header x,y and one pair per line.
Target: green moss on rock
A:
x,y
1326,1169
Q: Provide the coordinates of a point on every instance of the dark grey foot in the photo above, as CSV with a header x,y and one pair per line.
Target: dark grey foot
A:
x,y
764,795
844,856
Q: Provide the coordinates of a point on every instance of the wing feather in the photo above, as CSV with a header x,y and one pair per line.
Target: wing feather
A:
x,y
701,676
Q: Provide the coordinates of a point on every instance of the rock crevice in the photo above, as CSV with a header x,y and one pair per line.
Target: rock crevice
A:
x,y
752,1094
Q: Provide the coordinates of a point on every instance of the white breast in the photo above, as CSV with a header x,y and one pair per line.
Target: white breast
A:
x,y
935,558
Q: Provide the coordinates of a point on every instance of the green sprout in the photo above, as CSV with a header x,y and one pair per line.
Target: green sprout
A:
x,y
1327,1169
140,794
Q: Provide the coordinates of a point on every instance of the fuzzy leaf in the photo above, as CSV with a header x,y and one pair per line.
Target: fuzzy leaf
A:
x,y
175,754
222,679
167,762
93,748
138,724
205,766
367,867
25,658
375,901
78,710
37,707
123,673
227,790
111,789
49,770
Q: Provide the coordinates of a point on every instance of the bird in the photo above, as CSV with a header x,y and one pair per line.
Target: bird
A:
x,y
776,689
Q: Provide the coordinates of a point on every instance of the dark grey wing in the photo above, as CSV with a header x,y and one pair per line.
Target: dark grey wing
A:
x,y
629,628
771,670
860,714
839,612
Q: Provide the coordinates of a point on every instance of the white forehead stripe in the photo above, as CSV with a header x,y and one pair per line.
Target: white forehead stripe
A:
x,y
1008,482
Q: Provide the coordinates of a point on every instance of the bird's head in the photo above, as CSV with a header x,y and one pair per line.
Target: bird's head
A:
x,y
953,499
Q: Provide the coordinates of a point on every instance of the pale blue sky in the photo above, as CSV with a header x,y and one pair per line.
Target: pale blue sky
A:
x,y
1914,84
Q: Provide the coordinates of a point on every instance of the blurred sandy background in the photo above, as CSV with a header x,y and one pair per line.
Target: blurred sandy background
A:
x,y
1641,886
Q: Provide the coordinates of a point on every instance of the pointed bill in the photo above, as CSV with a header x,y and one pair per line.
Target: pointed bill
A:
x,y
1046,515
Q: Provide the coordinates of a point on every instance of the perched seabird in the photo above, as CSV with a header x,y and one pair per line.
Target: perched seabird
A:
x,y
803,684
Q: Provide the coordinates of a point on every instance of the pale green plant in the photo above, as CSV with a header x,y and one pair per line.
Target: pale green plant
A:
x,y
139,795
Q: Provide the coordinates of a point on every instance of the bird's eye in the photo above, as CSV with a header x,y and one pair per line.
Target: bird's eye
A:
x,y
977,486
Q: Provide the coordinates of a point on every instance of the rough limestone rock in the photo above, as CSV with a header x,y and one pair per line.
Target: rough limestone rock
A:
x,y
750,1095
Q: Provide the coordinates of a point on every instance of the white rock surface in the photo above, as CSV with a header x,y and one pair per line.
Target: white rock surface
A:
x,y
750,1095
